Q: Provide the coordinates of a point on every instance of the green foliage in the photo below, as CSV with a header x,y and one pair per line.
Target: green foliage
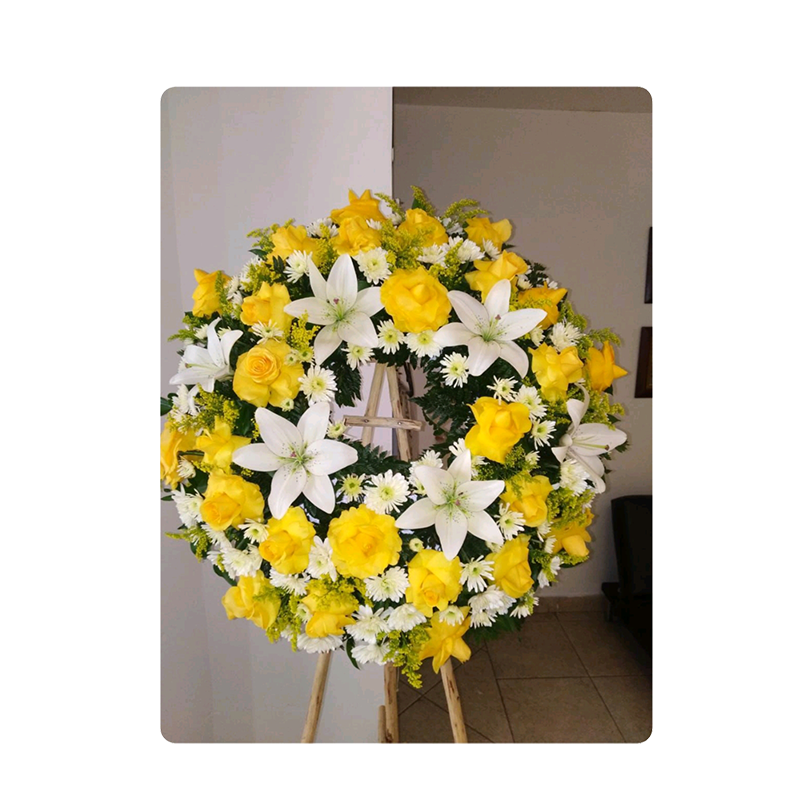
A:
x,y
402,247
462,211
404,650
421,201
504,623
391,202
564,507
166,406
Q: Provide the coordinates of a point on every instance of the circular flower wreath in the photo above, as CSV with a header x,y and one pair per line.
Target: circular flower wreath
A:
x,y
330,543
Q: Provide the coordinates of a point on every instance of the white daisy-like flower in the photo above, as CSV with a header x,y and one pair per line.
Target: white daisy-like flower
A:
x,y
494,547
316,228
459,446
452,615
542,579
434,254
474,574
186,469
371,653
353,487
266,331
467,250
530,398
550,284
423,344
217,538
549,544
389,337
503,388
536,336
336,429
232,291
492,251
255,531
452,226
244,273
455,370
318,644
527,603
318,385
357,355
389,586
573,476
482,619
543,530
564,335
511,523
386,492
374,224
296,584
188,506
368,624
303,613
292,357
320,560
201,331
184,400
555,565
374,265
287,404
405,617
415,545
541,432
493,599
430,458
532,459
523,282
241,563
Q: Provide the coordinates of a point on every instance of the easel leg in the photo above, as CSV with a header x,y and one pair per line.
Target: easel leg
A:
x,y
317,693
392,719
453,702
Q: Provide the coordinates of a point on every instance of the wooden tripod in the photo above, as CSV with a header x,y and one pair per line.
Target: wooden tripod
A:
x,y
388,717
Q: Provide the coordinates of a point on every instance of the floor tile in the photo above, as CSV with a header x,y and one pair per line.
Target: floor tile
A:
x,y
557,710
480,698
405,696
425,722
629,699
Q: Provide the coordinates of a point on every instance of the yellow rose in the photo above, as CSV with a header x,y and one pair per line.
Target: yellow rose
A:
x,y
364,543
366,207
573,537
416,300
480,229
433,581
354,236
512,571
555,371
499,427
286,240
419,221
507,267
206,299
263,377
173,443
330,611
446,640
240,603
528,496
230,500
601,368
267,306
218,447
288,542
545,298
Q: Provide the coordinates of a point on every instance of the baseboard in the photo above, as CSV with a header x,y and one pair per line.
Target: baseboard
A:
x,y
589,602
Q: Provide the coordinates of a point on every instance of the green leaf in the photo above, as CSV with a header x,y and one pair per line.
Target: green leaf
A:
x,y
348,648
166,406
225,575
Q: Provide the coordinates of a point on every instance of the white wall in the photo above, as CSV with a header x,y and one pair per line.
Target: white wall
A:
x,y
234,160
577,187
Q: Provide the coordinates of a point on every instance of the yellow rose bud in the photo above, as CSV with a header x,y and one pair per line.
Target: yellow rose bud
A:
x,y
286,240
240,601
288,542
263,377
601,368
173,443
366,207
545,298
416,300
499,427
528,496
218,447
512,571
573,537
555,371
363,542
230,500
507,267
267,306
419,221
330,611
480,229
446,640
206,299
433,581
354,236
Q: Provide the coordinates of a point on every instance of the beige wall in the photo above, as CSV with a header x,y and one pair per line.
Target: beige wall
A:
x,y
577,187
233,160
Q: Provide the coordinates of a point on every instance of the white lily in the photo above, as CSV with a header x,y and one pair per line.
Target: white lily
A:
x,y
204,366
489,330
301,458
455,505
584,443
339,306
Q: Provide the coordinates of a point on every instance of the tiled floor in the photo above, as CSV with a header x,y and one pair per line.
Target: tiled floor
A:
x,y
566,677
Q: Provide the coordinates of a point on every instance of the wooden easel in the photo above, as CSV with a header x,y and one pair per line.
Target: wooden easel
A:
x,y
388,717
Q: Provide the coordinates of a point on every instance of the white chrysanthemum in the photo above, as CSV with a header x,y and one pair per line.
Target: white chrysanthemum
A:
x,y
549,543
492,251
564,335
353,487
523,282
287,404
303,613
318,385
374,224
541,432
320,560
415,545
530,398
389,337
550,284
386,492
244,273
241,563
296,584
292,358
482,619
423,344
389,586
255,531
188,506
434,254
526,604
373,265
201,331
573,476
232,290
316,228
453,227
503,388
536,336
452,615
511,523
405,617
266,331
467,250
459,446
454,368
555,565
532,459
318,644
368,624
493,599
371,653
543,530
357,355
217,538
186,469
185,399
336,429
430,458
474,574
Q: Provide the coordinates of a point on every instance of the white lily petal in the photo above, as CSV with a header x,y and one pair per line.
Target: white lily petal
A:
x,y
480,524
278,433
257,457
517,323
576,410
326,343
516,356
452,335
358,329
228,341
208,384
451,528
469,310
435,481
420,515
497,299
342,282
461,468
214,346
481,355
318,285
319,313
319,490
313,425
369,301
480,494
560,452
595,437
327,457
287,484
190,376
594,466
197,356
